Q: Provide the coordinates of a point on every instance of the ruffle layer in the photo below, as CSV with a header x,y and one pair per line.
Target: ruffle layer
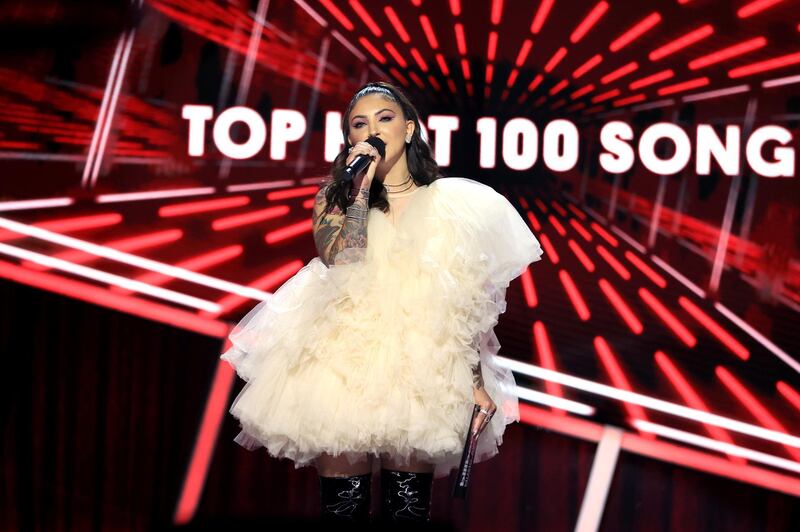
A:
x,y
375,353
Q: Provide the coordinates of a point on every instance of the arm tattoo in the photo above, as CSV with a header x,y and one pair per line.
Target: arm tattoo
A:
x,y
333,231
477,376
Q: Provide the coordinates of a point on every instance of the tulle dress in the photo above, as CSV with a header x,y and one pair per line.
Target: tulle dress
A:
x,y
374,354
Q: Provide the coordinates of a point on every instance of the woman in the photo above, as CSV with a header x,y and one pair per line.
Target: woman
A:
x,y
374,353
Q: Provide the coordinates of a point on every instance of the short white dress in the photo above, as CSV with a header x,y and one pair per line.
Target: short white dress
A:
x,y
375,353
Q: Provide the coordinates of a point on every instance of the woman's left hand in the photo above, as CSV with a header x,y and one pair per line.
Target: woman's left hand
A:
x,y
482,398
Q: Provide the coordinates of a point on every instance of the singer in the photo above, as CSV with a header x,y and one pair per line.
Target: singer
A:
x,y
374,354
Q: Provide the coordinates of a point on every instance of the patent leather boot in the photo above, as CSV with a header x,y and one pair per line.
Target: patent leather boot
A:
x,y
405,496
345,499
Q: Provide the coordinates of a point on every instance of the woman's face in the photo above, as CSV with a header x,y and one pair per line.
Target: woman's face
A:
x,y
376,115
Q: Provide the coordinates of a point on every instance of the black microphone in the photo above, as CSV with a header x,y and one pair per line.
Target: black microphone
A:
x,y
362,161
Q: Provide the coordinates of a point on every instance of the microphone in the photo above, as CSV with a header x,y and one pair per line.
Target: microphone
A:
x,y
362,161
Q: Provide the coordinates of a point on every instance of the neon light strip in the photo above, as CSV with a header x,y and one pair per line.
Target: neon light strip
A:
x,y
738,89
631,242
95,295
600,478
156,194
127,258
780,353
779,82
710,443
260,186
677,275
109,278
653,105
112,106
556,402
35,204
647,401
102,114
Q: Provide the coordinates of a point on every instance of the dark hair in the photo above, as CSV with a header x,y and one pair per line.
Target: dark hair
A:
x,y
421,164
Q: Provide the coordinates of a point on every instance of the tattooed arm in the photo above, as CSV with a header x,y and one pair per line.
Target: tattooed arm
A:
x,y
477,374
334,231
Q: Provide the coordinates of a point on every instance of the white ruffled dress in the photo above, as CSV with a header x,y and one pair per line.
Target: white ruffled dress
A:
x,y
374,354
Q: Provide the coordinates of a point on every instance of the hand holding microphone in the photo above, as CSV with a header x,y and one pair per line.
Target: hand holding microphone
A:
x,y
365,154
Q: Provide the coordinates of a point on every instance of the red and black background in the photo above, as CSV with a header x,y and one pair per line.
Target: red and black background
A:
x,y
683,288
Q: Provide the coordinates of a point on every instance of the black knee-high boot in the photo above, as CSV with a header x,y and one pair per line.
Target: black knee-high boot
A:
x,y
345,498
405,496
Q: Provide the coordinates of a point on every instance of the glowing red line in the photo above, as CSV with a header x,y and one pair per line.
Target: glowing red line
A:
x,y
337,14
645,269
512,77
418,58
455,7
591,19
705,320
555,223
547,360
668,318
549,250
416,79
434,83
608,237
628,100
287,232
489,74
752,404
692,398
371,49
465,68
541,16
635,32
365,16
652,78
452,85
207,435
558,208
535,83
556,59
587,66
622,308
497,11
618,378
583,90
529,289
574,295
442,64
397,57
397,75
581,230
727,53
763,66
614,263
605,96
460,39
789,393
534,222
539,203
292,193
757,6
576,107
523,52
66,225
491,48
238,220
558,87
681,42
428,29
397,24
683,86
618,73
202,206
582,257
579,213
